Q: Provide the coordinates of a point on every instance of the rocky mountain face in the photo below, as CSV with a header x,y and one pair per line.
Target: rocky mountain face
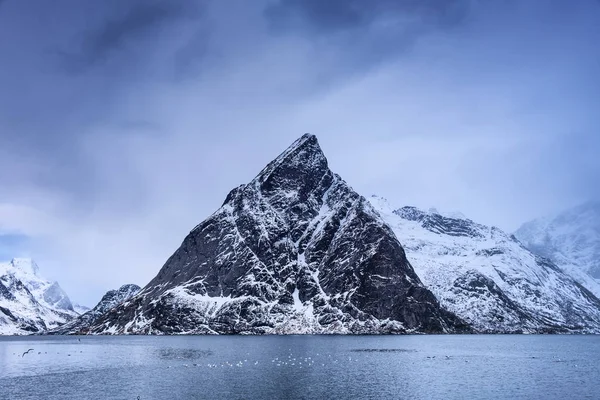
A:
x,y
28,302
296,250
109,301
487,277
570,239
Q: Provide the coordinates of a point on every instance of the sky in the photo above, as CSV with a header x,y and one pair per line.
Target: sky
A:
x,y
123,124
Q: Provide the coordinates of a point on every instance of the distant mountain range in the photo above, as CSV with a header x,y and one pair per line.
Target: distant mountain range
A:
x,y
297,250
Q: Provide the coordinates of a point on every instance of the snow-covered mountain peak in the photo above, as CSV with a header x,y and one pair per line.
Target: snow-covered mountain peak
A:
x,y
26,266
571,238
27,271
28,302
46,292
440,224
306,144
296,250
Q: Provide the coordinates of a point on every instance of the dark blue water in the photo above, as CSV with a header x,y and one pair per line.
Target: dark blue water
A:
x,y
301,367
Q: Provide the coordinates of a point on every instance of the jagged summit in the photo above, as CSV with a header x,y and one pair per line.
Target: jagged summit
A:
x,y
306,148
110,300
296,250
295,169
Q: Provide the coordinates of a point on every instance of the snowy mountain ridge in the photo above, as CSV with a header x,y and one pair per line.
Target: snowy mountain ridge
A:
x,y
487,277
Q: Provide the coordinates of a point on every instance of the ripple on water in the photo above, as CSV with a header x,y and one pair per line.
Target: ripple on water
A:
x,y
182,354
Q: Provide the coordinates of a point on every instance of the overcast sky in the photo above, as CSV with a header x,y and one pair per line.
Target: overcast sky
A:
x,y
123,124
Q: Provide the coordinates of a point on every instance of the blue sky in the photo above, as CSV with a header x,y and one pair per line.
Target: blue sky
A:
x,y
125,123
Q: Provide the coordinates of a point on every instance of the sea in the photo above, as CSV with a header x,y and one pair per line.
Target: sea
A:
x,y
301,367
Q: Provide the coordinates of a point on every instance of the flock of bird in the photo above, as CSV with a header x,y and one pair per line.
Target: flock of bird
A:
x,y
290,360
39,352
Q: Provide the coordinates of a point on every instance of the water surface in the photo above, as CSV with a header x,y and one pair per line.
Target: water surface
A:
x,y
300,367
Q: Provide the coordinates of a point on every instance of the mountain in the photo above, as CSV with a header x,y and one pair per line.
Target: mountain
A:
x,y
79,309
296,250
487,277
28,302
570,239
109,301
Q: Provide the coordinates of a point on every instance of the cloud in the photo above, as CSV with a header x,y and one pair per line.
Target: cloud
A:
x,y
363,35
191,55
488,109
45,118
144,20
330,17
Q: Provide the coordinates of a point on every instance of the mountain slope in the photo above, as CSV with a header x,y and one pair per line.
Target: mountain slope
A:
x,y
488,278
294,251
110,300
28,302
570,239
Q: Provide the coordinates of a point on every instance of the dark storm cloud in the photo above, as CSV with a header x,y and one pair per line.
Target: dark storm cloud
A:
x,y
326,17
105,48
143,21
189,58
364,34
